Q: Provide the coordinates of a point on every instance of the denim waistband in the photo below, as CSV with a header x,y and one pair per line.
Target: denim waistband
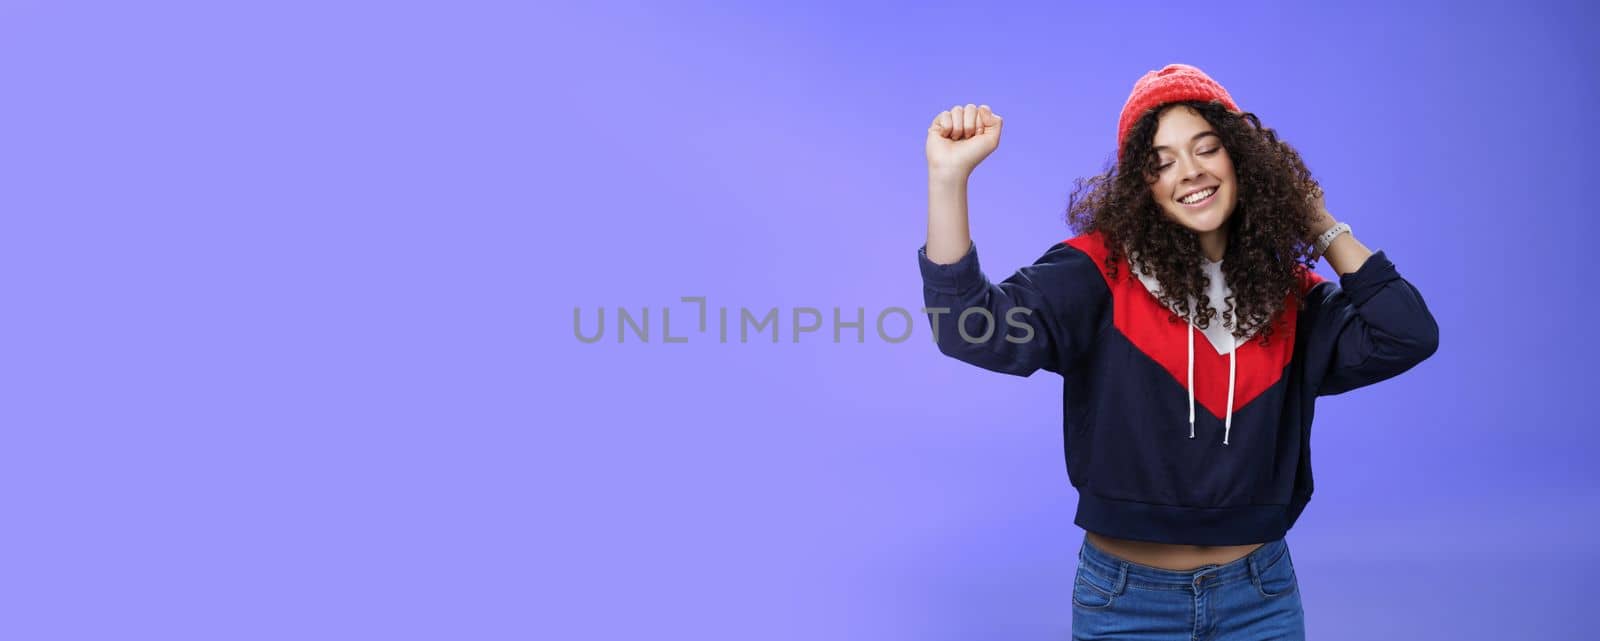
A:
x,y
1118,571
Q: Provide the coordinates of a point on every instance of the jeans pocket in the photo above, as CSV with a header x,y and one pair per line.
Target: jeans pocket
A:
x,y
1090,590
1276,577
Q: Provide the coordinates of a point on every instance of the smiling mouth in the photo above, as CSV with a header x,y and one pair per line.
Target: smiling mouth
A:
x,y
1206,197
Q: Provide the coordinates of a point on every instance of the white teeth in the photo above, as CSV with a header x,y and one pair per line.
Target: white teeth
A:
x,y
1198,196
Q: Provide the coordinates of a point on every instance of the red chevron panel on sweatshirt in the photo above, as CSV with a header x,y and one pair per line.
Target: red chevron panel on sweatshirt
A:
x,y
1141,317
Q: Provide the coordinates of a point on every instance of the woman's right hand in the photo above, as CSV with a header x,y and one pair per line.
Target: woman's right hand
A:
x,y
962,137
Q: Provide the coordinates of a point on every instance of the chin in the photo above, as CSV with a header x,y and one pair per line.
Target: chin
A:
x,y
1200,223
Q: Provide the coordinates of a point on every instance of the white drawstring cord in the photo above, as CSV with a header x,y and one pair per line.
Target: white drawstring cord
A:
x,y
1227,426
1191,380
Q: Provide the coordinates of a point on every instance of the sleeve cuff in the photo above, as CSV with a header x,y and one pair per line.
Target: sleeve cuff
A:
x,y
954,278
1365,281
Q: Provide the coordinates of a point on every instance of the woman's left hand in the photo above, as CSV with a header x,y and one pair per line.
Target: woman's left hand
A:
x,y
1321,220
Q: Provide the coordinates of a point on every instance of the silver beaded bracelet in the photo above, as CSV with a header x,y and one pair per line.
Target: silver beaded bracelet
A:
x,y
1327,237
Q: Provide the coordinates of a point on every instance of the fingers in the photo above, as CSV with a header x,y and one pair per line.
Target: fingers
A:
x,y
987,118
965,121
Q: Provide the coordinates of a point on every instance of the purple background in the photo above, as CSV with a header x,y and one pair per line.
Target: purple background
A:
x,y
291,288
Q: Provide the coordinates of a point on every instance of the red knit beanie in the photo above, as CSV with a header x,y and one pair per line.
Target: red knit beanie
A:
x,y
1172,83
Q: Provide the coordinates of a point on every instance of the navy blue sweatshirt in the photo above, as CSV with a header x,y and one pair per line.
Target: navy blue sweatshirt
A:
x,y
1225,460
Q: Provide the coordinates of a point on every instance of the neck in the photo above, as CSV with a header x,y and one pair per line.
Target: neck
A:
x,y
1213,244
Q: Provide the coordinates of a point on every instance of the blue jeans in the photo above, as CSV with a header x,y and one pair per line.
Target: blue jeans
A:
x,y
1255,597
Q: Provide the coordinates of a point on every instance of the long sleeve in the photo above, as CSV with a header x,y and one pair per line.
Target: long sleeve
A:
x,y
1040,317
1379,324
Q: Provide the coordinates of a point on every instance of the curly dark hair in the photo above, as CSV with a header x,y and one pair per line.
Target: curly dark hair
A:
x,y
1267,231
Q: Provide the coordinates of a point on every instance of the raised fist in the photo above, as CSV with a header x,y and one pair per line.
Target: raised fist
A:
x,y
962,137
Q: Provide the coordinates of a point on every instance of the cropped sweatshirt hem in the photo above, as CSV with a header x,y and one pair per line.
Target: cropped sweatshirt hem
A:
x,y
1233,525
1171,433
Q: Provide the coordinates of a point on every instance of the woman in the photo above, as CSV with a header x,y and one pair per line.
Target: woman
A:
x,y
1192,337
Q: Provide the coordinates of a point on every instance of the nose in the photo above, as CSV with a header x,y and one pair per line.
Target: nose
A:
x,y
1189,168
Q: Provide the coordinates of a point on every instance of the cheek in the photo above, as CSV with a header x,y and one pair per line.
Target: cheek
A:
x,y
1161,201
1225,169
1160,189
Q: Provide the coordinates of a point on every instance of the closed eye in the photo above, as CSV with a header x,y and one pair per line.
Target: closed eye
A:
x,y
1207,152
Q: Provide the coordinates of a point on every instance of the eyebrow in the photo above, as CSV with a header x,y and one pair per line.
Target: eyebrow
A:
x,y
1197,136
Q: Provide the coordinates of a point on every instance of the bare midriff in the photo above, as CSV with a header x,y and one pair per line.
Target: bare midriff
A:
x,y
1168,556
